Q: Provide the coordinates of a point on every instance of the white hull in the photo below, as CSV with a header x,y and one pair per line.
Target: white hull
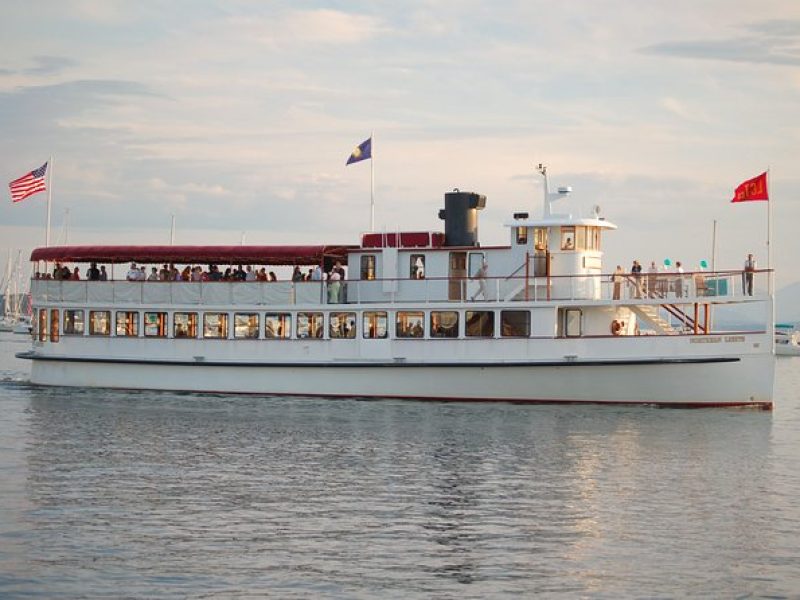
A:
x,y
712,380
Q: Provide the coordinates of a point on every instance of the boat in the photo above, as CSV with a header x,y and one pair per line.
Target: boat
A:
x,y
787,340
13,319
423,315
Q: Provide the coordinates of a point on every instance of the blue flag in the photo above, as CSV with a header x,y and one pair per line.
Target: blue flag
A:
x,y
362,152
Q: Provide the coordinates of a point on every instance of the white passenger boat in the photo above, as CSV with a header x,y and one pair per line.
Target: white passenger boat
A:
x,y
420,315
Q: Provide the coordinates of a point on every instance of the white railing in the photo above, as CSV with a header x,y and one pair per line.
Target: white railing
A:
x,y
664,288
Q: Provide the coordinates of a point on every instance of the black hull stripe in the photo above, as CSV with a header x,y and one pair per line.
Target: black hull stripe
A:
x,y
401,364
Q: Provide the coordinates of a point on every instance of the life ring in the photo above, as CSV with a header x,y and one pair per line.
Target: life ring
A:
x,y
616,327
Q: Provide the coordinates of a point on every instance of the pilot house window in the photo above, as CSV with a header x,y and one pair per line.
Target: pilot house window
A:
x,y
568,238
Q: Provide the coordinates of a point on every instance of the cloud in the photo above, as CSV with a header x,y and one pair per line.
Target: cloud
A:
x,y
775,42
50,65
322,26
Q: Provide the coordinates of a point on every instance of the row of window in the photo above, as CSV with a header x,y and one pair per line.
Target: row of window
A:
x,y
572,237
279,325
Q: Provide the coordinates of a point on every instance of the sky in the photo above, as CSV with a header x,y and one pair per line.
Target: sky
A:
x,y
237,117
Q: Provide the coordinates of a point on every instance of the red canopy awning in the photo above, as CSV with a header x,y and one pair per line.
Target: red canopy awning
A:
x,y
262,255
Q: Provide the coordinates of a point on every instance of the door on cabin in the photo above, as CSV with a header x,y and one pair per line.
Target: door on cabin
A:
x,y
457,286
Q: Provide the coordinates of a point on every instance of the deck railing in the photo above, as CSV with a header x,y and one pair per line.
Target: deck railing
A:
x,y
664,288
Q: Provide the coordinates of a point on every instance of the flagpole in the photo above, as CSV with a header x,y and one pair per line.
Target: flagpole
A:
x,y
372,183
49,200
769,239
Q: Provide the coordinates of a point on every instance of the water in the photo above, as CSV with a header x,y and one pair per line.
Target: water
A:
x,y
125,494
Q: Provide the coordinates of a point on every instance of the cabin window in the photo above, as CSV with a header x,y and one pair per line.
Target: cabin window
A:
x,y
515,323
593,238
54,325
444,324
310,325
43,325
184,325
417,262
568,238
127,324
342,325
155,324
99,322
572,322
215,325
410,324
278,326
245,325
580,238
522,235
73,322
540,239
368,267
376,325
479,323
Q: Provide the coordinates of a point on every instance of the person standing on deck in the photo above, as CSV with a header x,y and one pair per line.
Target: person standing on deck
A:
x,y
747,276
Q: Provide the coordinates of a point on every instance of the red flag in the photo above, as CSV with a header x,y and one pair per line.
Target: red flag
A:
x,y
752,189
29,184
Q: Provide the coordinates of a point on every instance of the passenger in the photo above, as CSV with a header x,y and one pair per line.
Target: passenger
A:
x,y
652,280
343,285
142,273
334,285
297,275
481,275
103,274
262,275
249,274
679,280
272,276
316,274
636,276
186,274
153,274
76,275
93,274
228,275
213,273
58,273
173,273
133,273
617,279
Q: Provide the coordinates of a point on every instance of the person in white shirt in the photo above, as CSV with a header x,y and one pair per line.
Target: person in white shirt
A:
x,y
133,273
679,280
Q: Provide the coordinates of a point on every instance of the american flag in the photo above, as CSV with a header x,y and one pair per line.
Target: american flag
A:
x,y
29,184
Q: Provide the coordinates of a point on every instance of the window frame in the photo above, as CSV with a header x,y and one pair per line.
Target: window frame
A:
x,y
92,330
311,316
528,320
249,326
69,314
285,325
191,325
407,332
218,331
162,320
414,269
347,316
443,332
369,267
370,321
124,333
481,334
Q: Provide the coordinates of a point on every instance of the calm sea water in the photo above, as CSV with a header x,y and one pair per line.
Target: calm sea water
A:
x,y
122,494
